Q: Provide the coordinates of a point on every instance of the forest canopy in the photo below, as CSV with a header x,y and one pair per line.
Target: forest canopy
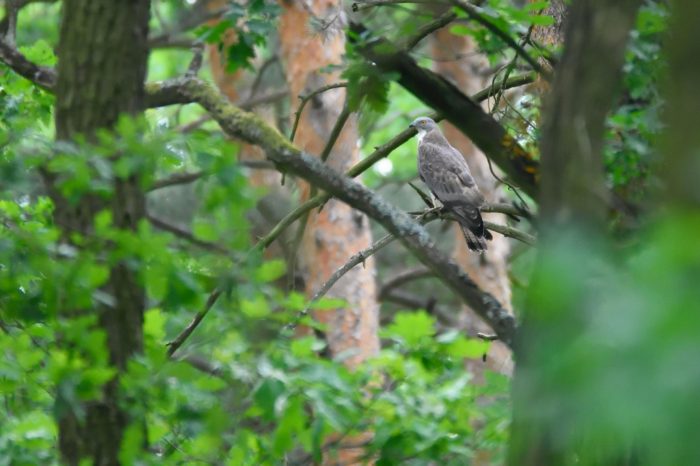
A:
x,y
216,248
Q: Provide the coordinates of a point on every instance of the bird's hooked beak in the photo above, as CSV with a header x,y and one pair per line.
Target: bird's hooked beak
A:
x,y
412,126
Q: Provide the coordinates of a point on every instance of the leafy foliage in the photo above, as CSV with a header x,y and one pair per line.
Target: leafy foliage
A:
x,y
241,391
241,29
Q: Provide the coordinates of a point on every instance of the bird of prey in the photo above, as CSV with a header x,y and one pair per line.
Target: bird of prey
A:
x,y
445,172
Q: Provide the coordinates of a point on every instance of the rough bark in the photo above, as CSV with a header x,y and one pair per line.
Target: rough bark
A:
x,y
101,70
573,198
287,157
573,187
490,269
552,34
681,141
336,232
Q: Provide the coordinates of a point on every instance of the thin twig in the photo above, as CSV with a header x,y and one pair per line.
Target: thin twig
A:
x,y
427,29
330,143
356,259
511,67
508,209
186,235
363,165
364,4
270,97
403,278
197,58
511,232
487,336
193,125
261,72
191,19
305,99
335,132
473,12
176,179
412,301
180,339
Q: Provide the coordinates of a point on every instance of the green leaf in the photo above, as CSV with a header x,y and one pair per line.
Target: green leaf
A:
x,y
154,325
204,230
255,308
460,30
290,425
40,52
306,346
325,304
132,444
270,270
467,348
266,396
412,327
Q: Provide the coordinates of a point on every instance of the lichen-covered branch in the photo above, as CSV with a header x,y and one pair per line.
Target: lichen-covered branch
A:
x,y
250,128
464,113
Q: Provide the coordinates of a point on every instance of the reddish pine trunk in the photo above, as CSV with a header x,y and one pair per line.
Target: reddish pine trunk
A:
x,y
336,232
488,270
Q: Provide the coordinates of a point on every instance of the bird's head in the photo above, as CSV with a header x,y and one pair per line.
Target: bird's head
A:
x,y
423,125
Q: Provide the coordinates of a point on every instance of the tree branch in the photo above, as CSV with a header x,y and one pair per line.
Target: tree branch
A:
x,y
379,153
401,279
305,99
40,75
511,232
184,335
440,94
279,150
187,236
364,4
176,179
473,12
250,128
427,29
412,301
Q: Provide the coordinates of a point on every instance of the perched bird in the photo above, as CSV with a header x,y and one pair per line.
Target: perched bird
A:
x,y
444,170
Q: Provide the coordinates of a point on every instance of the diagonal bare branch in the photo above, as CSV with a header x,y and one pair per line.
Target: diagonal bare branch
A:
x,y
250,128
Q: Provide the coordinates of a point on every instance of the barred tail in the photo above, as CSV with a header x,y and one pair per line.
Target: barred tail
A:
x,y
475,243
474,232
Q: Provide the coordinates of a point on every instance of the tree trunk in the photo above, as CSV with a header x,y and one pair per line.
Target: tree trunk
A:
x,y
489,270
681,141
103,55
232,85
573,201
552,34
573,187
337,232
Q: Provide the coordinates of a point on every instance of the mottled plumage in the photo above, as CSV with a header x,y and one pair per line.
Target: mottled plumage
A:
x,y
444,170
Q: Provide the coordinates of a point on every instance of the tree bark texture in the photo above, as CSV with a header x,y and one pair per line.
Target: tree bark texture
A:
x,y
336,232
681,142
103,55
573,199
552,34
490,269
573,187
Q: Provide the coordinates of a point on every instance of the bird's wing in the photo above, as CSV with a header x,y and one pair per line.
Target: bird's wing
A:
x,y
447,175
